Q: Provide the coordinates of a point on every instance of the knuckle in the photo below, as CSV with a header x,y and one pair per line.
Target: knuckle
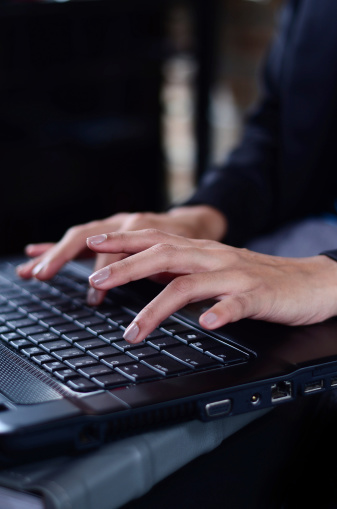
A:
x,y
147,316
164,250
154,233
137,220
183,285
75,231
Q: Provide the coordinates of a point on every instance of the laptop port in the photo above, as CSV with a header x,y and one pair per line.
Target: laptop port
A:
x,y
333,382
255,399
281,391
313,387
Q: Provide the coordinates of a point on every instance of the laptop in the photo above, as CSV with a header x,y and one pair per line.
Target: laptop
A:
x,y
70,382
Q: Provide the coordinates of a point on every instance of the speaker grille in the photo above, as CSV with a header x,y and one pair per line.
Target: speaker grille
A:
x,y
24,384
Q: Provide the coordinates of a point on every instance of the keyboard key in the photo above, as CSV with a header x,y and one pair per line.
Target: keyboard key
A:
x,y
124,345
107,381
93,342
189,337
143,352
51,346
112,336
137,372
107,311
82,385
65,374
164,342
88,321
100,353
117,360
76,335
121,320
30,307
77,313
63,328
22,322
78,362
42,359
98,369
165,365
191,357
227,354
204,344
174,328
4,329
44,337
20,343
67,353
10,336
102,328
52,320
33,350
28,331
54,365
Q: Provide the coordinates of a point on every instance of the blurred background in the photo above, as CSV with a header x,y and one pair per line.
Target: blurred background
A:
x,y
112,105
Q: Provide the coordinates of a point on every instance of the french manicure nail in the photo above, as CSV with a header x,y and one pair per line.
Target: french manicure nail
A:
x,y
38,268
100,276
94,297
131,332
209,318
97,239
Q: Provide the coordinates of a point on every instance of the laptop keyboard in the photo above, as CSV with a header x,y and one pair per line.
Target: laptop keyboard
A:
x,y
83,347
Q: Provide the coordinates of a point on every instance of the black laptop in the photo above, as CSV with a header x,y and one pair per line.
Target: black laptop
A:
x,y
70,382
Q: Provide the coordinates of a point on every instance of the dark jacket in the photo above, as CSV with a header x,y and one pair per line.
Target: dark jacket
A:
x,y
285,168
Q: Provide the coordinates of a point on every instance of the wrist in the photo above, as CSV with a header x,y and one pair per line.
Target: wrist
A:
x,y
201,221
326,279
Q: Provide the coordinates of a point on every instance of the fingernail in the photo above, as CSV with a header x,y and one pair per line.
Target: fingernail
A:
x,y
100,276
97,239
209,318
94,297
39,267
131,332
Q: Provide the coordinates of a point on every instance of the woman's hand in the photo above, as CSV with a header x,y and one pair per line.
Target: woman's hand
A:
x,y
47,259
293,291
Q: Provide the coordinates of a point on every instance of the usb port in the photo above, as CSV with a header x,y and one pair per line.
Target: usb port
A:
x,y
314,387
281,391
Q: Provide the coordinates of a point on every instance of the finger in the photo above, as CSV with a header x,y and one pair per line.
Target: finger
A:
x,y
34,250
181,291
25,269
72,244
231,308
157,259
134,241
95,297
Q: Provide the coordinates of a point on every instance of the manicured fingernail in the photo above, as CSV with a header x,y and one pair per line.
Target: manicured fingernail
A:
x,y
209,318
94,297
39,267
131,332
97,239
100,276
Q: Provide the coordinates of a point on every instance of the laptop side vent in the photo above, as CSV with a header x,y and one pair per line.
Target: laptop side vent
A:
x,y
22,383
145,420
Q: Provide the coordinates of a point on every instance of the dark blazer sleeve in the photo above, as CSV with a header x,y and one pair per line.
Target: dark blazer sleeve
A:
x,y
245,187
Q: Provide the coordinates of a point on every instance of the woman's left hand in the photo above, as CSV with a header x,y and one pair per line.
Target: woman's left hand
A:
x,y
293,291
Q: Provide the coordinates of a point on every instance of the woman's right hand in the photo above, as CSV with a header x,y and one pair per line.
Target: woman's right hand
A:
x,y
197,222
